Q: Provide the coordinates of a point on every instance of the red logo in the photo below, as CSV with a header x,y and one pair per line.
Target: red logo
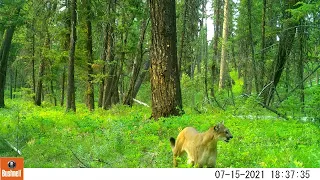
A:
x,y
11,168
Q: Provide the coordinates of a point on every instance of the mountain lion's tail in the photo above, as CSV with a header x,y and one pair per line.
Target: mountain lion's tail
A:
x,y
172,142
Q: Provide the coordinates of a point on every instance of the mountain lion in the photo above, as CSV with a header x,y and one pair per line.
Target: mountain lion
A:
x,y
200,147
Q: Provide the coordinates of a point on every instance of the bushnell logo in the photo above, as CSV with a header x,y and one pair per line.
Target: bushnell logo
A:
x,y
11,168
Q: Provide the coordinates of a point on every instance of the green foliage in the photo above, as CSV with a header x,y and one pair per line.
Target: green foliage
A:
x,y
303,9
125,137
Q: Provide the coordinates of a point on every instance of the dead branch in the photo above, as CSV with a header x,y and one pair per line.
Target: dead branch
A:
x,y
140,102
273,110
12,147
270,108
295,88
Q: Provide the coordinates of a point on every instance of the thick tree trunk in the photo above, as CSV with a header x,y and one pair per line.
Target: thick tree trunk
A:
x,y
285,46
90,87
4,54
223,63
165,80
128,100
71,104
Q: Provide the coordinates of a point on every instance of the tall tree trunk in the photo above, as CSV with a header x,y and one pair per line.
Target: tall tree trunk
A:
x,y
66,48
104,58
110,79
15,81
216,59
63,82
254,66
11,82
263,46
300,64
116,94
223,63
247,79
71,104
90,87
183,34
204,48
39,88
4,54
285,46
137,63
53,93
33,59
165,79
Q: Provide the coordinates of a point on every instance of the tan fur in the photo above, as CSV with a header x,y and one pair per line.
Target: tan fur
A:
x,y
200,147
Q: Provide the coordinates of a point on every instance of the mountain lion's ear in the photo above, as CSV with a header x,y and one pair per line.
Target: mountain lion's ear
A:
x,y
222,122
216,127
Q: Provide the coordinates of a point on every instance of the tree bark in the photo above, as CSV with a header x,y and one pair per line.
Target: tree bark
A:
x,y
66,48
263,46
38,97
165,79
300,64
90,87
183,34
15,81
63,82
254,66
4,54
39,88
104,58
33,59
216,59
71,105
110,80
11,82
223,63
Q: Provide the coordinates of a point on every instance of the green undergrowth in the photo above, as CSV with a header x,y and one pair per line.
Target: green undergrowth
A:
x,y
126,137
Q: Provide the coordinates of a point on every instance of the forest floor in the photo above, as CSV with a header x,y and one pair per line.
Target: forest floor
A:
x,y
126,137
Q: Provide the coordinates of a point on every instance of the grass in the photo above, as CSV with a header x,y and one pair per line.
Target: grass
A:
x,y
125,137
